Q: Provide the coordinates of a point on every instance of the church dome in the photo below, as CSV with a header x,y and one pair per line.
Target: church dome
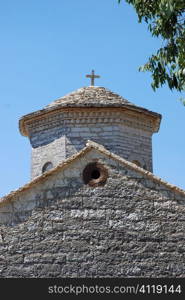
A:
x,y
63,127
88,97
92,96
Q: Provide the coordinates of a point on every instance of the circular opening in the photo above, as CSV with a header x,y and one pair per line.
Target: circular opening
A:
x,y
95,174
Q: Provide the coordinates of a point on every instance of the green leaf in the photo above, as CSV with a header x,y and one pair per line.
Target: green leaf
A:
x,y
166,20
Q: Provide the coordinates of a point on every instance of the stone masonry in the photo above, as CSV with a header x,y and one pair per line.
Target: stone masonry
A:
x,y
57,226
92,209
63,127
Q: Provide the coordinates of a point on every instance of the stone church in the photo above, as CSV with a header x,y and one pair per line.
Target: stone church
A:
x,y
93,207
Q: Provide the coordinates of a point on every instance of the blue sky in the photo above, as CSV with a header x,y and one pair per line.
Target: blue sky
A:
x,y
46,49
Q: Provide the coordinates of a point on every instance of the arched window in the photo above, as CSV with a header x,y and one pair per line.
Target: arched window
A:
x,y
136,162
47,166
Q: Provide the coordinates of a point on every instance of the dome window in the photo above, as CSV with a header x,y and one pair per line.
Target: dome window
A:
x,y
137,163
47,166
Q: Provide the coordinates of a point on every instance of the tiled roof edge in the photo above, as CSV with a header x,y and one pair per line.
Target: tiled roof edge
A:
x,y
90,145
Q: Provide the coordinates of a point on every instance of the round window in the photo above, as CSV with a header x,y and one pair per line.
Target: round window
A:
x,y
47,166
95,174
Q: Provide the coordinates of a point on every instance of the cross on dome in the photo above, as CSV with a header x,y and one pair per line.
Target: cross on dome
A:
x,y
92,76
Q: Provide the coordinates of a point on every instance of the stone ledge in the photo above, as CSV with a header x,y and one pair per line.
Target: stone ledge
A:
x,y
87,117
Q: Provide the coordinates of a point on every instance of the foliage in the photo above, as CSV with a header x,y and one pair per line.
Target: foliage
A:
x,y
165,19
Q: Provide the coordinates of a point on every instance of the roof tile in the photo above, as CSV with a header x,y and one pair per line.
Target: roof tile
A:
x,y
90,96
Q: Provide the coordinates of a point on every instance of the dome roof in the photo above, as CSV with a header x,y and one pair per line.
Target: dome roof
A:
x,y
92,96
87,97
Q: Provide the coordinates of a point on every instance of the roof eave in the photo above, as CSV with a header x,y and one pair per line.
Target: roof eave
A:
x,y
34,115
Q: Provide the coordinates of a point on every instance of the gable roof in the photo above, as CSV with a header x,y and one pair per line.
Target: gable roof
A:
x,y
90,145
88,97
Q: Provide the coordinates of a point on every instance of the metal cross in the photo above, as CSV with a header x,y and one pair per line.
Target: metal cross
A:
x,y
92,76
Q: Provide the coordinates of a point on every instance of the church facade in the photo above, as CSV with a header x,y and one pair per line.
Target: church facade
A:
x,y
93,207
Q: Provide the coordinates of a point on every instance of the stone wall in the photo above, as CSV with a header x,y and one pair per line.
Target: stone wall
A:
x,y
54,152
125,135
133,226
